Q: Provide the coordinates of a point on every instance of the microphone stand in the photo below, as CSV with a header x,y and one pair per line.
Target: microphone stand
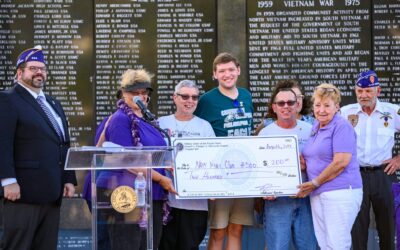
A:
x,y
148,115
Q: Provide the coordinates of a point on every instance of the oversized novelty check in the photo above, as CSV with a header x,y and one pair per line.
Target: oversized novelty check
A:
x,y
236,167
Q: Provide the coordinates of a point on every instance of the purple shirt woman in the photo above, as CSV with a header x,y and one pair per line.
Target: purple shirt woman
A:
x,y
119,132
330,156
128,128
337,136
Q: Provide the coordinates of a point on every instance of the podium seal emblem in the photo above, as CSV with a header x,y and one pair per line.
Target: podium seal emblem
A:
x,y
124,199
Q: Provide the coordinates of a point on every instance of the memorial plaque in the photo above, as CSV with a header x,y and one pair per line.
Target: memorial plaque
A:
x,y
63,28
186,47
89,44
123,31
310,41
178,44
386,52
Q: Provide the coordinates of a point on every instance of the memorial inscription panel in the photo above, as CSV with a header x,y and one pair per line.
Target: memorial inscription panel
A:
x,y
310,41
90,43
63,28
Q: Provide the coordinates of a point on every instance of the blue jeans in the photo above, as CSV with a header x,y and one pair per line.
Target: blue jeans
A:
x,y
286,221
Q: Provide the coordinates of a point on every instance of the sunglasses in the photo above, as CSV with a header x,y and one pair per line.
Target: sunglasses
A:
x,y
282,103
238,105
186,97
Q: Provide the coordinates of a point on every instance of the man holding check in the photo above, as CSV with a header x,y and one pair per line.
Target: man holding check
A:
x,y
288,219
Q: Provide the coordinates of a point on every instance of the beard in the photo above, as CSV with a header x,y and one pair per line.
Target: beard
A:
x,y
369,103
36,81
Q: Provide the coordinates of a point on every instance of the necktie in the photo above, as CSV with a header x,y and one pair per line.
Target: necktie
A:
x,y
40,100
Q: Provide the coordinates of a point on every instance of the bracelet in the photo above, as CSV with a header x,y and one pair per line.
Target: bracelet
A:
x,y
315,183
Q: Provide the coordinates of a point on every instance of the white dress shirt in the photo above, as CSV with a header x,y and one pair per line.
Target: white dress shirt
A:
x,y
375,132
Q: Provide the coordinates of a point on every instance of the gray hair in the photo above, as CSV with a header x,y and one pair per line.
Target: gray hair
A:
x,y
185,83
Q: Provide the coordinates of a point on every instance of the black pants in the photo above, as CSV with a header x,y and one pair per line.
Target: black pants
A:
x,y
377,191
157,223
185,231
29,226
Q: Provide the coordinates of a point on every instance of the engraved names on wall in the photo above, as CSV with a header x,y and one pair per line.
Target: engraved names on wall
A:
x,y
310,41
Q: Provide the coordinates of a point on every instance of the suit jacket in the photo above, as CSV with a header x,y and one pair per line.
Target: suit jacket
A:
x,y
30,149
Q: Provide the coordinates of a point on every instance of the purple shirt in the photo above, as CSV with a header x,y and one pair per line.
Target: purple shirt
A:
x,y
119,131
338,136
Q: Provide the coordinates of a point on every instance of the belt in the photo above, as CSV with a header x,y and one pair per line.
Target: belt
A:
x,y
372,168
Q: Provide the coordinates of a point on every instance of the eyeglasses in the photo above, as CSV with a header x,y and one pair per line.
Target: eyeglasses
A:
x,y
239,107
35,69
282,103
327,89
186,97
300,96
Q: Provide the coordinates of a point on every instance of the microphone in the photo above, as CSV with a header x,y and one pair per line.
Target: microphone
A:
x,y
146,113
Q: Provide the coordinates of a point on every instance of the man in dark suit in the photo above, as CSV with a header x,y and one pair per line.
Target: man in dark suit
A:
x,y
33,144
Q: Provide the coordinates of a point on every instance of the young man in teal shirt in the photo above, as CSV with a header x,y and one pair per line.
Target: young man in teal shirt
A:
x,y
229,110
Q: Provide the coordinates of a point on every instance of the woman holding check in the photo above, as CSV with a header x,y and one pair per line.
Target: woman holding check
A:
x,y
335,186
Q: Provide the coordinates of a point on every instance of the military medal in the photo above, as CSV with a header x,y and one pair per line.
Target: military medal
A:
x,y
124,199
386,116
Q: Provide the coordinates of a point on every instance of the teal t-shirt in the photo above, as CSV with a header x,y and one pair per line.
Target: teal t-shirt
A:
x,y
228,117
